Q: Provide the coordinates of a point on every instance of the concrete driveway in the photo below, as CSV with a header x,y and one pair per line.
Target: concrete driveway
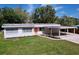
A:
x,y
71,37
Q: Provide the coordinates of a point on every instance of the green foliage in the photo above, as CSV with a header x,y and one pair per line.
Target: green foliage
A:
x,y
21,15
44,15
67,21
10,15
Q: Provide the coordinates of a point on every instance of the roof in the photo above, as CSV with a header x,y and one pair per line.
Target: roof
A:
x,y
46,25
36,25
65,27
16,25
28,25
62,27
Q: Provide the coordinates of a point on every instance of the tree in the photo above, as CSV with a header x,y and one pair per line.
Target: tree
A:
x,y
67,21
1,18
10,15
76,21
57,20
21,15
44,15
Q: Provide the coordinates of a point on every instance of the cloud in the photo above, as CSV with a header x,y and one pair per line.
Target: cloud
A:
x,y
77,9
43,5
30,8
58,8
71,16
62,12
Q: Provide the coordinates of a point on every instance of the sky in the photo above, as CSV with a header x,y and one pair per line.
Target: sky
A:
x,y
61,9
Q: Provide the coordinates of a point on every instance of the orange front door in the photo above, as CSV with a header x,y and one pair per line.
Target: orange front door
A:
x,y
36,29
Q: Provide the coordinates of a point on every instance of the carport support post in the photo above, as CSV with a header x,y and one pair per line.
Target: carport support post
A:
x,y
74,30
67,30
51,31
59,32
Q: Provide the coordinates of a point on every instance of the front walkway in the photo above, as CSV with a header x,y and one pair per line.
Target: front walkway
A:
x,y
44,36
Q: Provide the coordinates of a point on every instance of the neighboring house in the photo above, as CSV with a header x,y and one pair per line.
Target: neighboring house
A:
x,y
20,30
77,30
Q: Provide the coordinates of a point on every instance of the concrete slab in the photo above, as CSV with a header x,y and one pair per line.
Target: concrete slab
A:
x,y
71,37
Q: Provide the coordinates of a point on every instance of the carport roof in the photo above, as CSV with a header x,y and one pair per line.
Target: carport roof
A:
x,y
67,27
63,27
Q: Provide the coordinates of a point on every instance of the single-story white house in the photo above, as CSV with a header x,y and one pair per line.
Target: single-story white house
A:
x,y
20,30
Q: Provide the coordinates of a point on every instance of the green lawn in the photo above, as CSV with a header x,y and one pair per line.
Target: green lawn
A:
x,y
36,45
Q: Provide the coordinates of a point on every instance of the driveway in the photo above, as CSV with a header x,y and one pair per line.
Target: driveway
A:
x,y
71,37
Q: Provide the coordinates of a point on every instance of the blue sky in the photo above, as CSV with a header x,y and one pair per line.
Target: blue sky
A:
x,y
61,9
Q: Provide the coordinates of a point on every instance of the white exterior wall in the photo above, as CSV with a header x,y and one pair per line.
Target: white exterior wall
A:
x,y
39,32
20,33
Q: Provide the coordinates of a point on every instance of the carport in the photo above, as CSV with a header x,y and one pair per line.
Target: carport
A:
x,y
56,31
67,33
67,28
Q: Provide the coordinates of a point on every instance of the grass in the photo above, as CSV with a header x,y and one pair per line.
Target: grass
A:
x,y
36,45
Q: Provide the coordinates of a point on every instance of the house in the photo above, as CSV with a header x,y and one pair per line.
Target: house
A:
x,y
20,30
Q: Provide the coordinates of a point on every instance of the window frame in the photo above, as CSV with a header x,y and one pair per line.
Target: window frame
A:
x,y
26,29
11,30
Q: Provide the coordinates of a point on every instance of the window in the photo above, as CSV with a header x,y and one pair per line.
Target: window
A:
x,y
27,29
42,29
11,30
